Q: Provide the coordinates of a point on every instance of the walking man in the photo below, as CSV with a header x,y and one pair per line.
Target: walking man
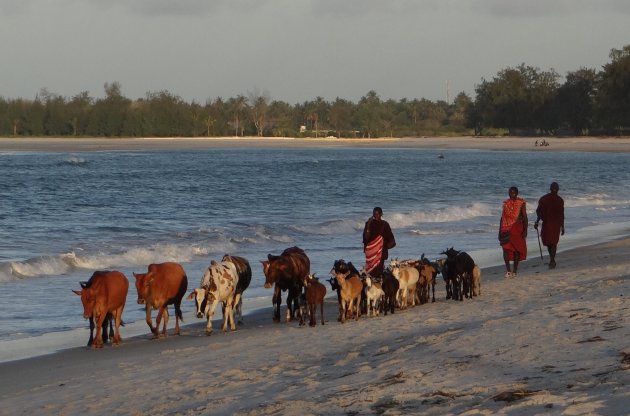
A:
x,y
551,211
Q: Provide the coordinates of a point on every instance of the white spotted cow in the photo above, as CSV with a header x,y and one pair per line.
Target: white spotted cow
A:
x,y
218,284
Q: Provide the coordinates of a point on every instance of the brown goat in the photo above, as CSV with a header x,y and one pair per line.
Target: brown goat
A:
x,y
315,293
350,289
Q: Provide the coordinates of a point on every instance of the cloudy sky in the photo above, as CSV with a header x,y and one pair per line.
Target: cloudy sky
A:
x,y
296,50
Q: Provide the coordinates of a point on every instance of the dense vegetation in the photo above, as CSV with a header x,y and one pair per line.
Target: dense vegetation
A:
x,y
517,101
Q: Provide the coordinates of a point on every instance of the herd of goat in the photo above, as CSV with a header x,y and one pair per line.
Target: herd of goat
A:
x,y
402,284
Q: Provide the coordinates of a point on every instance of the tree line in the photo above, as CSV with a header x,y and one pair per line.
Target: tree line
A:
x,y
522,100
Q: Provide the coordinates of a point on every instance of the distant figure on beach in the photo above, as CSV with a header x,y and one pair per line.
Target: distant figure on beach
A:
x,y
551,211
513,231
378,239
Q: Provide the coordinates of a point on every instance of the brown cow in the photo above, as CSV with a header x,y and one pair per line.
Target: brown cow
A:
x,y
315,293
286,272
106,294
108,323
164,284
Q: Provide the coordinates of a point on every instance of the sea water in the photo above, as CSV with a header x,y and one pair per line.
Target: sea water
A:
x,y
65,215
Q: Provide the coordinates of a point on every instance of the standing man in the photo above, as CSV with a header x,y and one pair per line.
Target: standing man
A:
x,y
377,240
551,211
513,231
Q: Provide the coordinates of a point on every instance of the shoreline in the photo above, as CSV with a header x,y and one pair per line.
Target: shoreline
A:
x,y
564,144
446,357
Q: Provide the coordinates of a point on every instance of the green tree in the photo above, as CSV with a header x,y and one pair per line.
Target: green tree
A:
x,y
340,115
613,91
518,99
574,100
280,119
259,106
78,112
368,114
108,115
238,107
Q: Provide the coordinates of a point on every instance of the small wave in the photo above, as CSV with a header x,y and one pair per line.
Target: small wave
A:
x,y
335,227
74,161
448,214
137,256
451,231
597,200
35,267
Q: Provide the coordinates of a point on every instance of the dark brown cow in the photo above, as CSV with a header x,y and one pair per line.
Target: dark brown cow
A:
x,y
164,284
286,272
106,294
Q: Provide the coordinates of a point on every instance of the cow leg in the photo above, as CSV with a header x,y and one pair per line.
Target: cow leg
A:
x,y
165,316
178,316
228,318
210,315
111,321
277,300
158,320
293,304
237,305
91,340
98,323
150,320
118,320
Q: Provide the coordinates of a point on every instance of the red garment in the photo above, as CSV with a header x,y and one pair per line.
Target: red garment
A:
x,y
517,243
511,221
551,212
374,254
377,240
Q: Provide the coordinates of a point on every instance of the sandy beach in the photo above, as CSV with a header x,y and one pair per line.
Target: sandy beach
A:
x,y
583,144
553,342
547,342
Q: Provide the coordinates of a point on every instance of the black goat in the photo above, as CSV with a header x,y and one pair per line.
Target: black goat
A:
x,y
458,271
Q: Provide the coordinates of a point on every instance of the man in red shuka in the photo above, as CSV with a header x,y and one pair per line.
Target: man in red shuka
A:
x,y
513,224
377,240
551,211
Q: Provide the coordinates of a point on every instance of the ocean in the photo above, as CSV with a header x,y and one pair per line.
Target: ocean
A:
x,y
65,215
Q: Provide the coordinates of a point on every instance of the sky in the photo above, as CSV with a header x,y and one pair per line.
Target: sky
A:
x,y
296,50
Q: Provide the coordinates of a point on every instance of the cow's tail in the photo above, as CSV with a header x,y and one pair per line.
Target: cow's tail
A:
x,y
178,312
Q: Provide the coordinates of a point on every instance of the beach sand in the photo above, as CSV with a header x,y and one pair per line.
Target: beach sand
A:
x,y
585,144
547,342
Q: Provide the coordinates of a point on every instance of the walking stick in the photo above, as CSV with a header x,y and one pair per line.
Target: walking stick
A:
x,y
539,245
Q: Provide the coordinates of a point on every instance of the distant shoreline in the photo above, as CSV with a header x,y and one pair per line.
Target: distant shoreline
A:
x,y
65,145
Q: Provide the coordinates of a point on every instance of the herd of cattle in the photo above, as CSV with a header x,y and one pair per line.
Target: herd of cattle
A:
x,y
402,284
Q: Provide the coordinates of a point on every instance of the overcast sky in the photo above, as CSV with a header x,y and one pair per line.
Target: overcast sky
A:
x,y
296,50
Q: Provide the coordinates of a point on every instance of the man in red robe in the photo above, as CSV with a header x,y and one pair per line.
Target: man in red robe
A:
x,y
513,231
377,240
551,211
